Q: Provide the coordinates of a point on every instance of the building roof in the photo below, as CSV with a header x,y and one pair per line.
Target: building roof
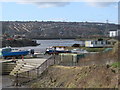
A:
x,y
113,30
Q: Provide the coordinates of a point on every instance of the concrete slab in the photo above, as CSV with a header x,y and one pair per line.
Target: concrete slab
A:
x,y
36,61
29,64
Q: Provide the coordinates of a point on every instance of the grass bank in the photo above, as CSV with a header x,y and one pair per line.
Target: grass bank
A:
x,y
78,77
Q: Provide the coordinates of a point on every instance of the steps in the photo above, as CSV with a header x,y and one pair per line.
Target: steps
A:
x,y
28,69
23,67
7,68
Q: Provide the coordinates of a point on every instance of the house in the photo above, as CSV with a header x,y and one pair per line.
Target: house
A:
x,y
19,36
113,33
97,43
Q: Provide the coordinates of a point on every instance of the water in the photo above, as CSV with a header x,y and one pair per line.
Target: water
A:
x,y
47,43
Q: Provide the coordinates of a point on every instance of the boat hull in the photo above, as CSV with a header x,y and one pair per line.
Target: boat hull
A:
x,y
57,52
20,53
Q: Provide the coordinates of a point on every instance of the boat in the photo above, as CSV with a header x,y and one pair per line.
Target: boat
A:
x,y
57,50
9,52
79,51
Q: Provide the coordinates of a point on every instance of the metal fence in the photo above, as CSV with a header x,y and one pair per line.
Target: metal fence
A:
x,y
27,76
35,73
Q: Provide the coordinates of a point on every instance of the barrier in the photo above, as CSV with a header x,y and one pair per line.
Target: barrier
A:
x,y
33,74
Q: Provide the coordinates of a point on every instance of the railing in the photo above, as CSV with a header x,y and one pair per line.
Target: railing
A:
x,y
35,73
27,76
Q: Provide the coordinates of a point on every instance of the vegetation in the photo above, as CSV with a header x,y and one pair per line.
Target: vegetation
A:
x,y
116,65
19,43
52,30
78,77
95,49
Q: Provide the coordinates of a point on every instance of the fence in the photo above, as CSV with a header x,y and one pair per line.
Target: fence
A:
x,y
66,60
27,76
69,59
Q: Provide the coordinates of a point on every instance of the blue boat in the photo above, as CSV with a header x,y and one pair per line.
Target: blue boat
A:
x,y
8,52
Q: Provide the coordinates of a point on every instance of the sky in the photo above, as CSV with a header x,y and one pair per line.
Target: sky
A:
x,y
60,11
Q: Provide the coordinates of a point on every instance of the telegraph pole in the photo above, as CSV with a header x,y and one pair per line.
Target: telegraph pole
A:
x,y
106,32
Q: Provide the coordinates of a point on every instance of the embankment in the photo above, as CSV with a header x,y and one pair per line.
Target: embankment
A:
x,y
78,77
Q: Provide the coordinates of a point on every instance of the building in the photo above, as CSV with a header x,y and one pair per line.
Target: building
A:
x,y
97,43
19,36
113,33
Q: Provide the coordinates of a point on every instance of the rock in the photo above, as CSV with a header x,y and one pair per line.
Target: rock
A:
x,y
107,66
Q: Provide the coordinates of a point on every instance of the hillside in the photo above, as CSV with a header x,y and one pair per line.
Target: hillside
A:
x,y
55,29
78,77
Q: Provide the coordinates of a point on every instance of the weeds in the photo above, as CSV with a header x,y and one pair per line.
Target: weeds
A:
x,y
116,65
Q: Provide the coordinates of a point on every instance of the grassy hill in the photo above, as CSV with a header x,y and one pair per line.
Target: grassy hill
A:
x,y
42,30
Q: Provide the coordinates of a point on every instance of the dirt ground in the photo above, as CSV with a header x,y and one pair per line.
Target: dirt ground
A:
x,y
81,77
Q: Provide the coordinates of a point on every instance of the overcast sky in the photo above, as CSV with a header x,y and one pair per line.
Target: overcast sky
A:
x,y
59,11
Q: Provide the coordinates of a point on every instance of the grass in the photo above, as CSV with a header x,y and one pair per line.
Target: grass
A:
x,y
92,38
116,65
88,49
77,77
95,49
72,85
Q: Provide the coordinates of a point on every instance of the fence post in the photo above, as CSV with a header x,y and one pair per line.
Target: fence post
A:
x,y
28,75
16,80
38,72
72,60
59,59
54,58
46,63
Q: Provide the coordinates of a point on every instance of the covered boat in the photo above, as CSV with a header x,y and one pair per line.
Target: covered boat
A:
x,y
57,50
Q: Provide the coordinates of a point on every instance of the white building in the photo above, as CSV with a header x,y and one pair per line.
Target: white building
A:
x,y
96,43
113,33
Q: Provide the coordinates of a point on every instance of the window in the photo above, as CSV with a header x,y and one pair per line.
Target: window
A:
x,y
91,42
95,42
101,42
